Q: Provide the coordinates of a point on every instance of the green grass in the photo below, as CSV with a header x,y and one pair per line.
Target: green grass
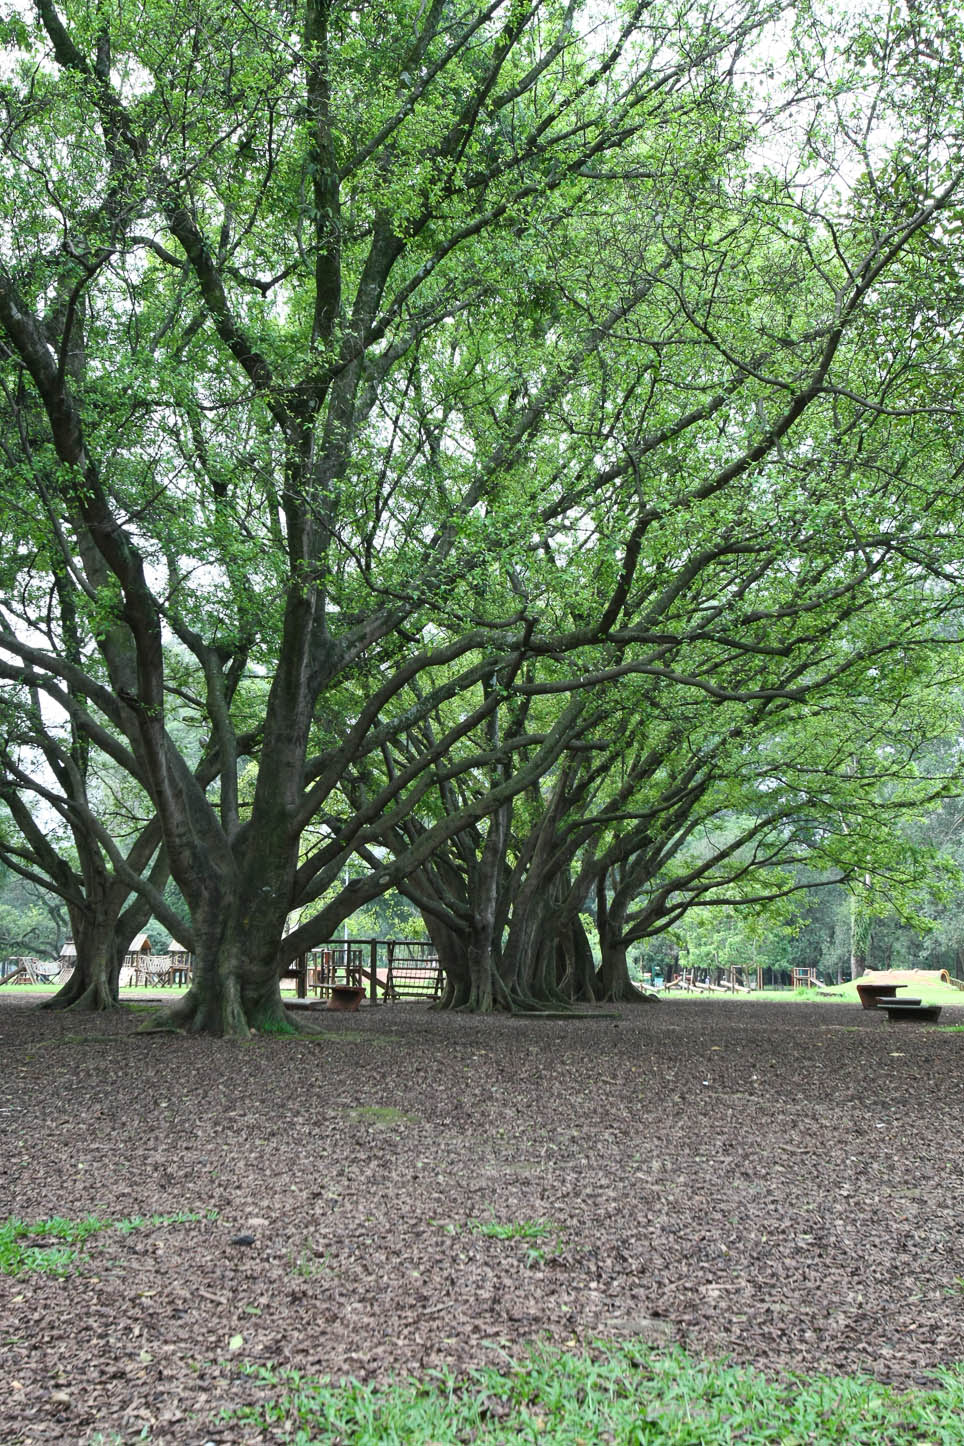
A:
x,y
512,1229
944,994
616,1393
51,1247
381,1115
129,992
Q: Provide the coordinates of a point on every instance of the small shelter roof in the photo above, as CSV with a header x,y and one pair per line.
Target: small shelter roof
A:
x,y
140,944
175,948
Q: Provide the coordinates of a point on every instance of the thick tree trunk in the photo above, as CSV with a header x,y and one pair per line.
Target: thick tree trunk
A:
x,y
235,990
453,957
576,968
613,984
101,942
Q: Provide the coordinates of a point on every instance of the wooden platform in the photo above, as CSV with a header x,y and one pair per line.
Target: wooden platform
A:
x,y
911,1009
872,995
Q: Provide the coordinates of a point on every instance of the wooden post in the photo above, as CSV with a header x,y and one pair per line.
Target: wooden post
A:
x,y
373,970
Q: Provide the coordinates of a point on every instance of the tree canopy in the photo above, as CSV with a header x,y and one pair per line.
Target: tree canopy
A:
x,y
410,408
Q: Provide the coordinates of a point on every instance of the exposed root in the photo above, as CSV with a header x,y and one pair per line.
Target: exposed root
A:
x,y
87,997
629,994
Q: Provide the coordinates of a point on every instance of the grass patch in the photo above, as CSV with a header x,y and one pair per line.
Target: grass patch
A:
x,y
944,994
512,1229
308,1261
381,1115
50,1247
616,1393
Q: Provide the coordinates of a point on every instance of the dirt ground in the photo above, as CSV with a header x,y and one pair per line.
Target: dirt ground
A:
x,y
777,1182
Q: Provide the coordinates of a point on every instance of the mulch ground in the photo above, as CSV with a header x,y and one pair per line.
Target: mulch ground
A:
x,y
780,1183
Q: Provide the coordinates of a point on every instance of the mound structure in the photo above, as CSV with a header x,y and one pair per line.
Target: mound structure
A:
x,y
908,976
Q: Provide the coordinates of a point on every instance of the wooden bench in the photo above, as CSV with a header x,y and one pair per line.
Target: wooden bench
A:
x,y
346,997
911,1009
870,995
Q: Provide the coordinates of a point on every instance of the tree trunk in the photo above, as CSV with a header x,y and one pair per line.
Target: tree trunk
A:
x,y
576,967
613,984
102,938
859,940
453,957
236,985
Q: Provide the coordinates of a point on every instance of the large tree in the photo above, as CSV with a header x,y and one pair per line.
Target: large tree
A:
x,y
419,345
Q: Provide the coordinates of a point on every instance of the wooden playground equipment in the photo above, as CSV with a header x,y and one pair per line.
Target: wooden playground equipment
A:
x,y
739,979
384,969
736,981
338,971
28,970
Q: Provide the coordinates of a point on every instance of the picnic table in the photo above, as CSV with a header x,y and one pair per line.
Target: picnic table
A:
x,y
870,995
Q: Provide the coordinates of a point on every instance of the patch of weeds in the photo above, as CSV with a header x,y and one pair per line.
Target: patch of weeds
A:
x,y
538,1254
626,1393
274,1027
25,1246
51,1247
382,1115
308,1262
180,1217
512,1229
450,1227
951,1028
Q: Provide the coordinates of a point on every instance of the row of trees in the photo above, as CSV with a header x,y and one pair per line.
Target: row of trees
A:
x,y
473,452
839,930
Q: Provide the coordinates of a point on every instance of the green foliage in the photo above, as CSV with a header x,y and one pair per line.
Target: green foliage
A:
x,y
26,1247
623,1393
512,1229
384,1115
32,922
308,1262
542,406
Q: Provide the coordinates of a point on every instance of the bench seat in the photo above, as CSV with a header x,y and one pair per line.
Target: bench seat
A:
x,y
912,1009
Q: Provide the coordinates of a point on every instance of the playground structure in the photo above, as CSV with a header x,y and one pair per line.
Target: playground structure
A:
x,y
384,969
387,969
878,990
736,980
740,979
25,969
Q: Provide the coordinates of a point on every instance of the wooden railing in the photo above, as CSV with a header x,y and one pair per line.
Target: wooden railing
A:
x,y
386,968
